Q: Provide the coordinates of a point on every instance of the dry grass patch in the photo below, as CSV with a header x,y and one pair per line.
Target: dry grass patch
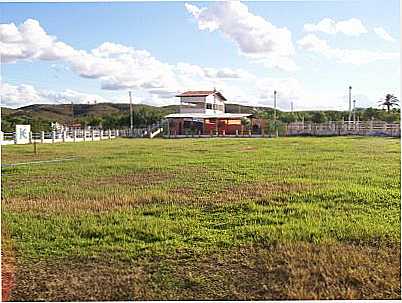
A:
x,y
73,279
292,271
137,179
258,191
7,265
287,271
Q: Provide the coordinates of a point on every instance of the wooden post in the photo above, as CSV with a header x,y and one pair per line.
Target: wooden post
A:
x,y
42,137
64,136
74,135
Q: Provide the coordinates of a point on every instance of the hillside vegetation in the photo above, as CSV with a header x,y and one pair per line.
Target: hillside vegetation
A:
x,y
115,115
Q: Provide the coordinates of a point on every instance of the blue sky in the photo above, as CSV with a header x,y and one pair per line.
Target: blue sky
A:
x,y
51,51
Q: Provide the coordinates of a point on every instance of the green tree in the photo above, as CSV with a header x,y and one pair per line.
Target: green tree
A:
x,y
389,101
319,117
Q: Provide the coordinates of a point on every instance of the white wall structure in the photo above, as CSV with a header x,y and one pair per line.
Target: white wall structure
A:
x,y
202,102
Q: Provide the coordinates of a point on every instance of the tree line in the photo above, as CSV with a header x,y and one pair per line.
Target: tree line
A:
x,y
147,115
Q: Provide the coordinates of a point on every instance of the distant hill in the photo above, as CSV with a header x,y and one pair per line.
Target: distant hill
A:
x,y
63,112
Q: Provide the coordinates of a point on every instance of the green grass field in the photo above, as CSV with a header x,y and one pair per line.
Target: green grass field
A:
x,y
283,218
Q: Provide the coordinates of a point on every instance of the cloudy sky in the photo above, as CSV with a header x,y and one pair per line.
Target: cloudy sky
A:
x,y
310,52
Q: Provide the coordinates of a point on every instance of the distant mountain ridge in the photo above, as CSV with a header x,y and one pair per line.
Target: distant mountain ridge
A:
x,y
63,112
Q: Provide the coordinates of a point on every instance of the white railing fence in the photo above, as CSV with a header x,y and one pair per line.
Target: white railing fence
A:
x,y
342,128
78,135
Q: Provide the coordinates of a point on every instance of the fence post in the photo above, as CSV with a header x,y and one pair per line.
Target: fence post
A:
x,y
101,134
74,135
223,133
64,136
42,137
262,132
30,138
1,136
92,135
109,134
237,132
117,133
53,136
249,133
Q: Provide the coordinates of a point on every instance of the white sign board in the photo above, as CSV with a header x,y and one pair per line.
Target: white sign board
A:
x,y
22,134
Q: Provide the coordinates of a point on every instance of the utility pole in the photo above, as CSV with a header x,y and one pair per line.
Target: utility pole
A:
x,y
276,129
354,112
350,105
131,113
291,106
72,112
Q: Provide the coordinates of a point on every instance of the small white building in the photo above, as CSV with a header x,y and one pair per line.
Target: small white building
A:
x,y
203,112
202,102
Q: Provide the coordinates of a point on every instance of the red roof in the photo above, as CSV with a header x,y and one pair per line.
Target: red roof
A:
x,y
200,93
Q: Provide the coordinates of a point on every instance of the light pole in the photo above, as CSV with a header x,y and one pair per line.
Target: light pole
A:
x,y
350,105
131,113
276,129
354,112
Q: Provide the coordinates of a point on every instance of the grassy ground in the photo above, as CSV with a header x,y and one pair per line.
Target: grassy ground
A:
x,y
205,219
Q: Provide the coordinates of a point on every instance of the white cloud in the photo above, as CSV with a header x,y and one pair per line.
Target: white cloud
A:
x,y
256,38
312,43
116,66
383,34
21,95
351,27
30,41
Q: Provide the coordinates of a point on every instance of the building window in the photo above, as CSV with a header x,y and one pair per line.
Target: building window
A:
x,y
209,106
215,106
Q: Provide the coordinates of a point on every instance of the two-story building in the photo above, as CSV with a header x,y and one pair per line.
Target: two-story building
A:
x,y
203,112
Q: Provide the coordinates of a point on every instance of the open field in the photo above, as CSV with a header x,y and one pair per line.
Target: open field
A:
x,y
283,218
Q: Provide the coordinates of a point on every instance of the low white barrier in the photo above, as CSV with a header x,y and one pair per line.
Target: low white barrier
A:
x,y
60,137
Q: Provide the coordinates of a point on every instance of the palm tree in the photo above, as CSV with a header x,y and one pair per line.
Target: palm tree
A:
x,y
389,101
